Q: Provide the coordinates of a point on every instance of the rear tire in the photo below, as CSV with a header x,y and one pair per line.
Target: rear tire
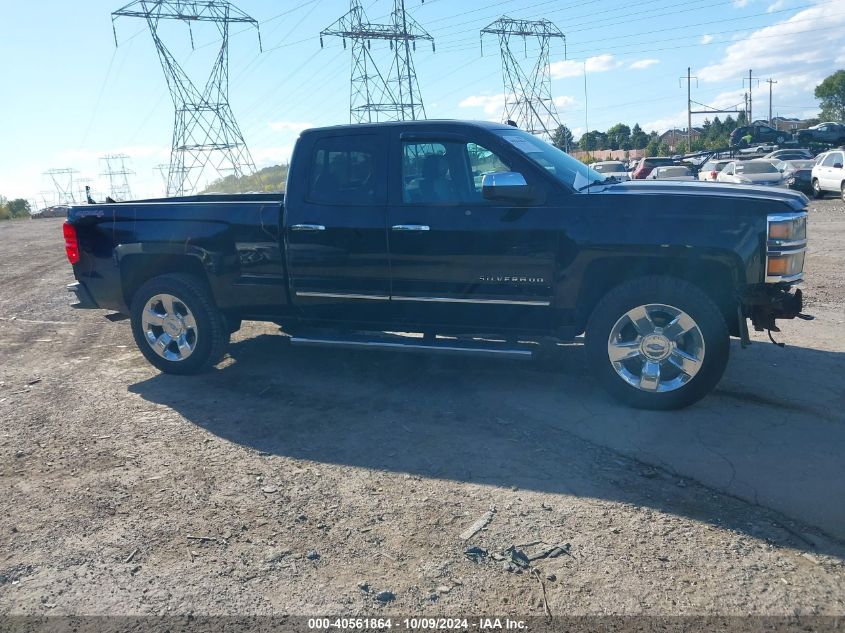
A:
x,y
842,191
176,325
674,355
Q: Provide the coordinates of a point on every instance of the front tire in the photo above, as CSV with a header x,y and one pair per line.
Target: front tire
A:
x,y
842,191
657,343
817,190
176,325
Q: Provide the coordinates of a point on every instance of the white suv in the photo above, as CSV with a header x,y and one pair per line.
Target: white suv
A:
x,y
829,174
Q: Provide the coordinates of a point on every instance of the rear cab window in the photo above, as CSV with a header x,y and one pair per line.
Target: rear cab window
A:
x,y
347,170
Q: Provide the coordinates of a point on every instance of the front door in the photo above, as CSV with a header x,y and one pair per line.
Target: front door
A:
x,y
335,234
458,259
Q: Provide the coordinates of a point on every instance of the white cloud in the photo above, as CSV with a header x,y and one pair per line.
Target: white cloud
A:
x,y
571,68
776,6
706,38
266,156
738,4
785,47
678,120
294,127
491,104
642,64
564,101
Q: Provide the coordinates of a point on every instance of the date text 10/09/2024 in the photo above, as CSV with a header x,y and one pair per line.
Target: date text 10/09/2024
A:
x,y
416,624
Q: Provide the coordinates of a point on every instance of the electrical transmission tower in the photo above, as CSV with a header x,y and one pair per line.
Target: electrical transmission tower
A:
x,y
117,173
63,182
528,95
207,142
374,96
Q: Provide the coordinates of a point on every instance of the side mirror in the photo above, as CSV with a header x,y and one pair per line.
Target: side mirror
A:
x,y
837,165
506,186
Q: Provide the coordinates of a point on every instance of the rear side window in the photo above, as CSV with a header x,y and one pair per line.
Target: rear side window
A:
x,y
829,160
347,170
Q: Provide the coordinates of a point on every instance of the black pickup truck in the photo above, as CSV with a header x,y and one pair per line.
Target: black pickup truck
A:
x,y
472,238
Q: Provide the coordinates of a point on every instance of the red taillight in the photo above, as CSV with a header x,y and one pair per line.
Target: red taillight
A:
x,y
71,243
713,174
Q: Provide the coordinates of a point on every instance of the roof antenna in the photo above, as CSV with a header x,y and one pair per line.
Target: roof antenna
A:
x,y
512,123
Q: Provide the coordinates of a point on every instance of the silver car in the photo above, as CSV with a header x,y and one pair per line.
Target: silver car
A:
x,y
752,172
710,170
612,168
672,172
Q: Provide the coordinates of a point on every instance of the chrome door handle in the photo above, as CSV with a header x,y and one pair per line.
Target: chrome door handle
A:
x,y
308,227
411,227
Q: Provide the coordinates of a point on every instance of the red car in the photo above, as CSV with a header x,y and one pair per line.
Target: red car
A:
x,y
644,167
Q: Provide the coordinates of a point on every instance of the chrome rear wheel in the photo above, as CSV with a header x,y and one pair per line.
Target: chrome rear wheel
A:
x,y
169,327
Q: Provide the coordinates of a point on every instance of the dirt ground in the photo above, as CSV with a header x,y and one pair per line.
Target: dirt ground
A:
x,y
311,482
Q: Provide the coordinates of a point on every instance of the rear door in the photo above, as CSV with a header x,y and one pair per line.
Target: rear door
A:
x,y
457,259
336,242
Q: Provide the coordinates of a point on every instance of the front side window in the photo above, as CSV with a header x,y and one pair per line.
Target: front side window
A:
x,y
570,171
829,160
446,173
346,170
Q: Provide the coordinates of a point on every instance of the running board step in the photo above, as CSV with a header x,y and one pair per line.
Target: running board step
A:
x,y
416,344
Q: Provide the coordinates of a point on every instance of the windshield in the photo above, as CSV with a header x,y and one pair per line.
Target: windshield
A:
x,y
609,168
796,164
756,168
673,172
570,171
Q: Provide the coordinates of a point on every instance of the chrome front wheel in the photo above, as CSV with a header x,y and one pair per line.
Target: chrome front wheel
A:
x,y
169,327
656,348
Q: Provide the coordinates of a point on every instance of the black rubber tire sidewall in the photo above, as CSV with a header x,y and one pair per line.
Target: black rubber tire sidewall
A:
x,y
817,192
669,291
212,333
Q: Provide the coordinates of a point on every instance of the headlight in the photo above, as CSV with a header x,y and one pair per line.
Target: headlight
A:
x,y
785,247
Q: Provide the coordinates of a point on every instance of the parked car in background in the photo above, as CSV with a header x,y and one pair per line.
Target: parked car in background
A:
x,y
833,133
828,174
759,134
791,154
797,174
751,172
671,172
612,168
644,167
710,170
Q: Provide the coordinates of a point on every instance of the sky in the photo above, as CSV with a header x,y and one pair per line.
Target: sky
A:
x,y
71,96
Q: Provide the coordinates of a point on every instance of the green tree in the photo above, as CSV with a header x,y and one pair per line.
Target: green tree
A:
x,y
619,137
269,179
639,139
562,138
831,96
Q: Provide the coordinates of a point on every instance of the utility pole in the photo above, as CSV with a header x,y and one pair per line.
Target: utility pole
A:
x,y
206,136
63,182
373,95
528,95
770,81
117,173
751,79
689,79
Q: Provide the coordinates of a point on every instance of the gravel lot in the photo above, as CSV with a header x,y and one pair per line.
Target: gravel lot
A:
x,y
293,481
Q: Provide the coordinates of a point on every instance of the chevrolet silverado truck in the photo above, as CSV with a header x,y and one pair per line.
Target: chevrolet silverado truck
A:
x,y
454,237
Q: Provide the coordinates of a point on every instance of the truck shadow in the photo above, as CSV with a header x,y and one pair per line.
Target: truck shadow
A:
x,y
538,426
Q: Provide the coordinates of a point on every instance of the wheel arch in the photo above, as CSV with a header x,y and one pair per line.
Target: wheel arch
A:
x,y
137,269
715,276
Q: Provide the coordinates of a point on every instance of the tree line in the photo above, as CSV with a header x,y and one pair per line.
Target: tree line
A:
x,y
712,135
17,208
